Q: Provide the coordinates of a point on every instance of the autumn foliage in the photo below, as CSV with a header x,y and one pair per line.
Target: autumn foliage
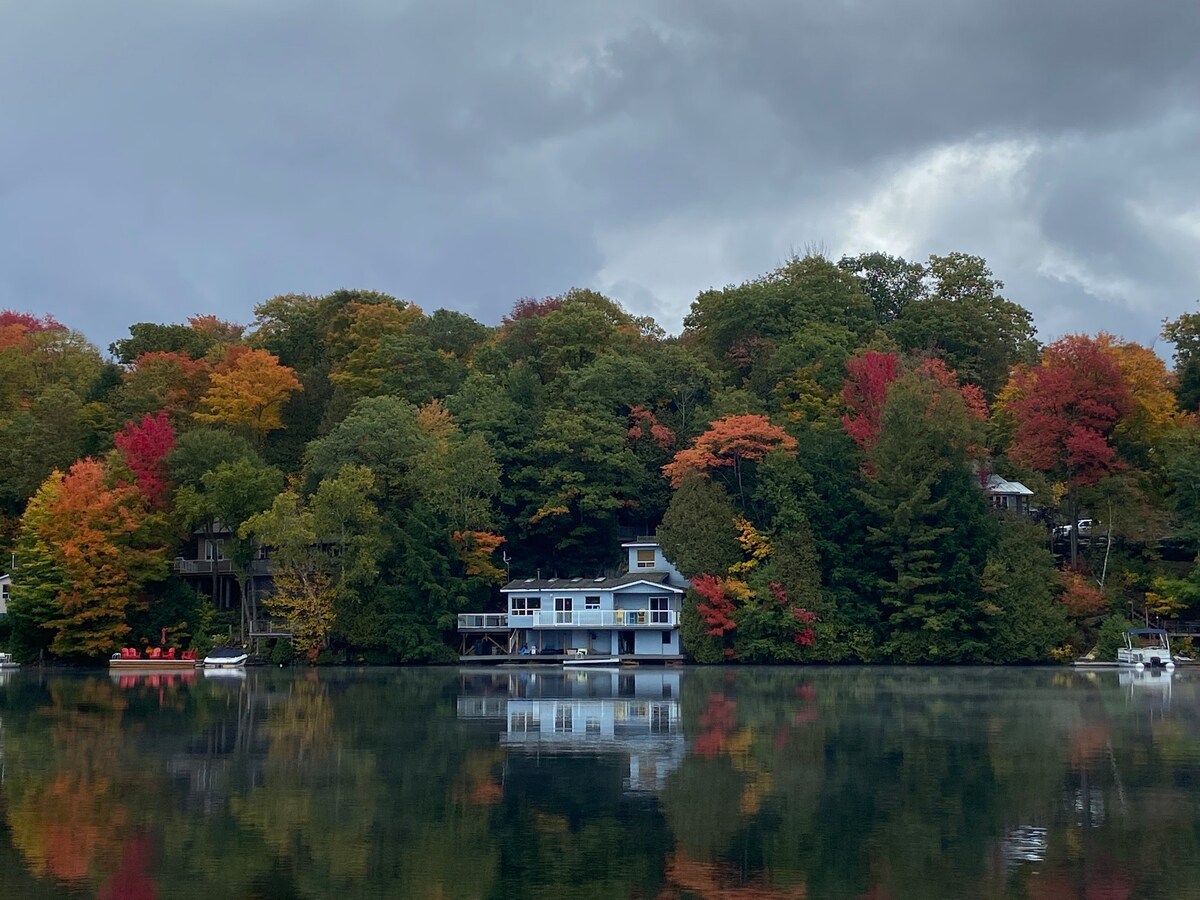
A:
x,y
865,392
643,423
248,392
728,443
144,447
14,326
1066,408
716,603
1082,598
102,536
475,549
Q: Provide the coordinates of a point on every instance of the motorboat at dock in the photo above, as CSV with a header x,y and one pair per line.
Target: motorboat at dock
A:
x,y
226,658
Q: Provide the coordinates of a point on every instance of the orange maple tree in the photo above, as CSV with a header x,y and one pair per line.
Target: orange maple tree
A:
x,y
475,549
729,442
103,536
248,392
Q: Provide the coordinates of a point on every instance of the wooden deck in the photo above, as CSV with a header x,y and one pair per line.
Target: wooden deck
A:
x,y
557,659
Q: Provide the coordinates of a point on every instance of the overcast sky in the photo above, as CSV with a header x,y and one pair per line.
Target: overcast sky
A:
x,y
161,158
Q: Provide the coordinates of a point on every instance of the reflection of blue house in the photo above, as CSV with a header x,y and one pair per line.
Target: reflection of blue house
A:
x,y
634,615
634,713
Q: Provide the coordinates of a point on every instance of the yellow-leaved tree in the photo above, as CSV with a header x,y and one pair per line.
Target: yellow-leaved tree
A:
x,y
248,391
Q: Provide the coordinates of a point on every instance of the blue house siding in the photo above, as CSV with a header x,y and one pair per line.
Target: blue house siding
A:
x,y
633,615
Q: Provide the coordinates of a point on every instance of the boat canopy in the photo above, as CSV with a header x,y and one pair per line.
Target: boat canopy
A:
x,y
226,653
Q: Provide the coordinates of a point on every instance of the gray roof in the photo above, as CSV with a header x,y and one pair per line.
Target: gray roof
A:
x,y
584,584
997,485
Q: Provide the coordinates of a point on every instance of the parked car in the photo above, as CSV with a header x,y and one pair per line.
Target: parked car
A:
x,y
1083,528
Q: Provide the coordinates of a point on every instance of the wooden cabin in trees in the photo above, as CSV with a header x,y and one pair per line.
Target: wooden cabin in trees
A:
x,y
633,616
206,563
1005,494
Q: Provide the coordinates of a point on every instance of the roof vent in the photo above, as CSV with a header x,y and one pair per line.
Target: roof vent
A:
x,y
529,581
576,579
601,578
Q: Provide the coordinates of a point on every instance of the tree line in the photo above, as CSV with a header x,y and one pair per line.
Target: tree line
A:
x,y
811,450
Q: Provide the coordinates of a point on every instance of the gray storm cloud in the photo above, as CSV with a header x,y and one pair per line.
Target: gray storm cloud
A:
x,y
158,160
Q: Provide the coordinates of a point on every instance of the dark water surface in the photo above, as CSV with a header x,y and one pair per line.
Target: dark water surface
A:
x,y
677,783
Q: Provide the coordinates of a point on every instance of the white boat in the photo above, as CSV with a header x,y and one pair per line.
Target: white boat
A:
x,y
1145,648
7,662
591,661
226,658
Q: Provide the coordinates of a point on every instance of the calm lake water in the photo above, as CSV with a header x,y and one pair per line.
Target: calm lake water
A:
x,y
677,783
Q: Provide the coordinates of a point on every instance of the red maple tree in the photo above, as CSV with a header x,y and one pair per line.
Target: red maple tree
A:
x,y
864,392
1064,410
144,447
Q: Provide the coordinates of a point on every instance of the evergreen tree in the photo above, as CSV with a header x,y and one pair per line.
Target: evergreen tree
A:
x,y
928,525
697,533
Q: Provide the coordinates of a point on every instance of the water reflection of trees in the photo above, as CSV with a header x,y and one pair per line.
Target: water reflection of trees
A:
x,y
794,782
929,783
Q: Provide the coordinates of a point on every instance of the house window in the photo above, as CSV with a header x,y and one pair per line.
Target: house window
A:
x,y
660,610
645,559
4,595
666,638
591,602
526,606
214,550
524,722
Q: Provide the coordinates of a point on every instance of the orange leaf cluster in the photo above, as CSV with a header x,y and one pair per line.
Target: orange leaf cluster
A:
x,y
475,549
96,531
728,442
642,421
1081,598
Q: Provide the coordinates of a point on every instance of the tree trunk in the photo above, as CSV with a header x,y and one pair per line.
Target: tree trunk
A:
x,y
1073,512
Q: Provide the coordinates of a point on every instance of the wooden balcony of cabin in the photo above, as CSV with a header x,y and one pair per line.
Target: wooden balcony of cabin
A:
x,y
185,566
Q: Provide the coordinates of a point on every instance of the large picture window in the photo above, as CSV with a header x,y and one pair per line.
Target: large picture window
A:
x,y
526,606
645,559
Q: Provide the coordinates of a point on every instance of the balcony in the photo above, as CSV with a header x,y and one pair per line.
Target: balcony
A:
x,y
201,566
596,618
270,628
570,618
482,621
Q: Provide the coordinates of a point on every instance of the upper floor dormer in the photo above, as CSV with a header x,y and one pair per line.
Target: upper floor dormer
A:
x,y
645,556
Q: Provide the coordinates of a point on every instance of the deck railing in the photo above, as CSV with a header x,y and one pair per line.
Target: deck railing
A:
x,y
482,621
270,628
570,618
201,566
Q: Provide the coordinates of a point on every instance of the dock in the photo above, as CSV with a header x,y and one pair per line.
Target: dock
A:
x,y
557,659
